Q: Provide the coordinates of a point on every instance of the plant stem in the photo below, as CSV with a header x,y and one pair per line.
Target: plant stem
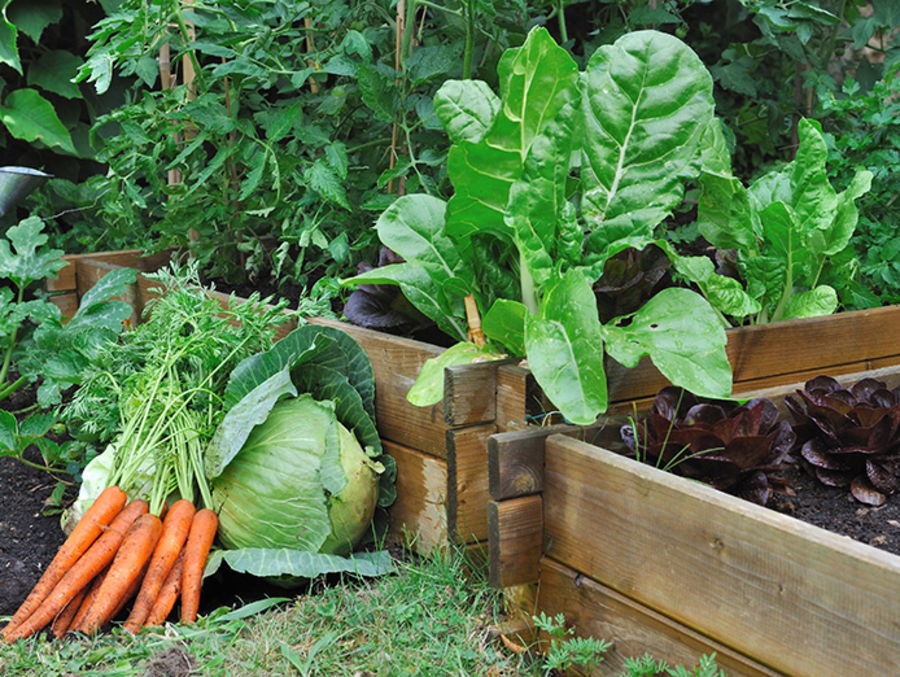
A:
x,y
13,339
529,296
470,39
561,19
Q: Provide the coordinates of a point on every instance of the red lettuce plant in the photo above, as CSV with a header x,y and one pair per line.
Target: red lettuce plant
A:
x,y
850,436
738,448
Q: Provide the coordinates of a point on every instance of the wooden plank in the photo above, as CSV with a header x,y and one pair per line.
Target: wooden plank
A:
x,y
467,493
516,457
470,393
396,362
815,342
594,610
882,362
418,517
514,385
132,258
793,596
67,303
516,535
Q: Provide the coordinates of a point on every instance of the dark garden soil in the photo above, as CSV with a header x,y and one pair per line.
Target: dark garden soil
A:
x,y
29,539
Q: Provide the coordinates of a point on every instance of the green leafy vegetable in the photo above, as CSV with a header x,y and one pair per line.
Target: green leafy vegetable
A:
x,y
296,465
790,227
552,178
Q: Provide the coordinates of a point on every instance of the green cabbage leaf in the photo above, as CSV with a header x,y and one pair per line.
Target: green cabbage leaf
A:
x,y
296,465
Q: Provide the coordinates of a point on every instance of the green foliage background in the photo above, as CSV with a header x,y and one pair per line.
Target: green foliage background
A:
x,y
300,127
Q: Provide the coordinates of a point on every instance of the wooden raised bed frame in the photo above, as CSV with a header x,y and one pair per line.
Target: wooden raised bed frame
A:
x,y
660,563
441,451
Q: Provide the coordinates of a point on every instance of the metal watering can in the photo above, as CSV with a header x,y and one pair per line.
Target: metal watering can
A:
x,y
16,183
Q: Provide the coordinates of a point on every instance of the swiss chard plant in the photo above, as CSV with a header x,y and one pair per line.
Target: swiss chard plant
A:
x,y
559,172
790,228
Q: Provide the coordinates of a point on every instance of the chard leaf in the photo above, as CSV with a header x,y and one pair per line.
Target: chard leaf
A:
x,y
822,300
434,278
429,386
684,338
565,349
847,214
813,200
275,562
646,102
504,323
466,109
786,241
723,209
537,202
536,80
726,294
426,287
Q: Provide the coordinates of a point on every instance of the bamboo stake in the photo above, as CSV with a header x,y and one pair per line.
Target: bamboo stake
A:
x,y
311,48
475,334
398,64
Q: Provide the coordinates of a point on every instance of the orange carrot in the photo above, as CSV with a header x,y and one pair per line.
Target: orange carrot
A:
x,y
103,510
82,572
133,554
65,617
131,592
168,594
200,540
89,598
176,526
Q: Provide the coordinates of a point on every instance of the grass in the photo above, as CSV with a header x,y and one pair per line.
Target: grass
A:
x,y
427,618
431,617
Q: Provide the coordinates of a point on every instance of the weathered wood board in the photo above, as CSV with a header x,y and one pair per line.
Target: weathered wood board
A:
x,y
796,598
596,610
660,563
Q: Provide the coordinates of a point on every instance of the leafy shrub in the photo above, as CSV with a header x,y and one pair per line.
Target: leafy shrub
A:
x,y
862,129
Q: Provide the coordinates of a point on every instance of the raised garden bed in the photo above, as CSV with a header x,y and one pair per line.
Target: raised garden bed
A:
x,y
441,451
672,566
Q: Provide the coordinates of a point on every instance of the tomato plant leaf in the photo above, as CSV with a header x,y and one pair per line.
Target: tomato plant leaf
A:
x,y
30,117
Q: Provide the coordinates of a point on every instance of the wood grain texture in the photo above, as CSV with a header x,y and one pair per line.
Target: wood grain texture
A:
x,y
132,258
795,597
595,610
514,383
467,495
419,515
516,537
470,393
516,458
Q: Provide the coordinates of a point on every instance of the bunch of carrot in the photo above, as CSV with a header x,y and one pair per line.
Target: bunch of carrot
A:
x,y
119,550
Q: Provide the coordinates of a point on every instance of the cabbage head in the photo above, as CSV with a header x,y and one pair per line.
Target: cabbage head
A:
x,y
301,481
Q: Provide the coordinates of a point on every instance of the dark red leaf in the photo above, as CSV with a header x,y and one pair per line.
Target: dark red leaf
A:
x,y
865,493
